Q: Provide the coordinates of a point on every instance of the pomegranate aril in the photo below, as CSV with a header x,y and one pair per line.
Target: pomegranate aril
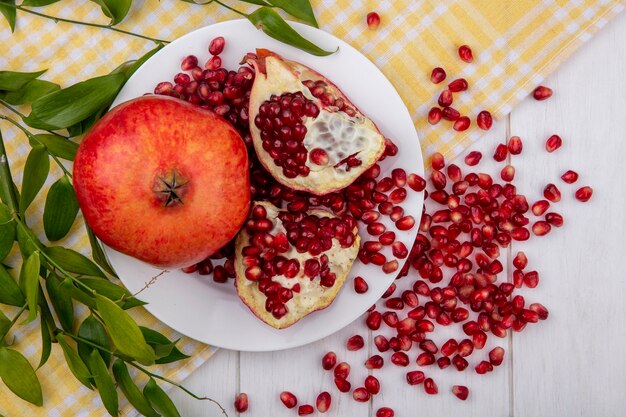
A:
x,y
541,228
319,156
520,234
372,385
570,176
437,161
355,343
323,402
520,261
288,399
381,342
540,207
460,391
445,98
216,46
385,412
466,347
484,120
583,194
241,403
462,124
405,223
460,84
507,173
552,193
342,384
374,362
360,285
542,93
443,362
473,158
430,387
553,143
428,346
531,279
542,312
342,370
437,75
483,367
500,153
459,363
434,115
449,348
554,219
373,20
329,361
515,145
465,53
425,359
496,356
400,359
189,62
450,113
416,183
305,410
361,395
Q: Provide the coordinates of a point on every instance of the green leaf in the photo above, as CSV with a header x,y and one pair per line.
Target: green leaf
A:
x,y
104,383
46,344
38,3
79,295
5,325
7,231
60,210
124,332
61,301
97,253
56,145
27,241
29,282
159,399
115,9
68,106
112,291
30,92
131,391
74,362
297,8
18,374
10,292
9,13
91,329
73,261
36,171
257,2
273,25
165,350
13,80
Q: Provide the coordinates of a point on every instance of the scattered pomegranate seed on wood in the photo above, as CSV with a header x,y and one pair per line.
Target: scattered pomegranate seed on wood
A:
x,y
360,285
465,53
484,121
373,20
385,412
305,410
430,386
372,385
552,193
355,343
461,392
542,93
437,75
323,402
241,403
515,145
584,194
501,152
473,158
570,176
553,143
288,399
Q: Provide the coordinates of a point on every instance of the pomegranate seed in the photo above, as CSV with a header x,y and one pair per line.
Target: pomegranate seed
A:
x,y
355,343
374,362
329,360
460,391
520,234
342,370
214,63
540,207
483,367
584,194
434,115
425,359
553,143
189,63
570,176
465,53
531,279
385,412
400,359
241,403
459,363
374,320
457,85
361,395
496,356
541,228
508,173
542,312
438,179
437,161
449,348
430,387
552,193
323,402
462,124
288,399
342,384
450,114
500,153
437,75
399,177
372,385
405,223
445,98
217,46
484,120
416,183
319,156
415,377
373,20
360,286
542,93
555,219
466,347
390,318
520,261
473,158
381,342
515,145
305,410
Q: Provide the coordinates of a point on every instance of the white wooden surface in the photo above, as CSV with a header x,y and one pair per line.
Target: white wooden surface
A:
x,y
571,365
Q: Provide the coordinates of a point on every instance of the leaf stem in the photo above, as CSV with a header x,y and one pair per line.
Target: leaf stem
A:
x,y
63,271
6,179
77,22
230,8
31,136
22,115
17,316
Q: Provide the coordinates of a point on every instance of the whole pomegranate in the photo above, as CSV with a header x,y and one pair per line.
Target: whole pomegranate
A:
x,y
163,181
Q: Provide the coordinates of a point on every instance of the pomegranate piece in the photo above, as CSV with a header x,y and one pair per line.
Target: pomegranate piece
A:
x,y
552,193
484,120
437,75
583,194
496,356
323,402
373,20
241,403
473,158
305,410
553,143
385,412
570,176
329,361
465,53
355,343
461,392
515,145
542,93
294,110
430,387
279,253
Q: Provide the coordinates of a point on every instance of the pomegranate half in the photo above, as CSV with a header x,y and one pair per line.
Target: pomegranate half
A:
x,y
306,132
163,180
290,265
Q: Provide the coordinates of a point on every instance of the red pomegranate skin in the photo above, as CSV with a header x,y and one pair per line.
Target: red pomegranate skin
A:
x,y
127,158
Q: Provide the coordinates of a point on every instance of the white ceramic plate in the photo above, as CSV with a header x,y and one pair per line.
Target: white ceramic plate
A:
x,y
212,313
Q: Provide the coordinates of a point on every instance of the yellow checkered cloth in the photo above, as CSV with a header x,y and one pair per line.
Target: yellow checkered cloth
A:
x,y
516,43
